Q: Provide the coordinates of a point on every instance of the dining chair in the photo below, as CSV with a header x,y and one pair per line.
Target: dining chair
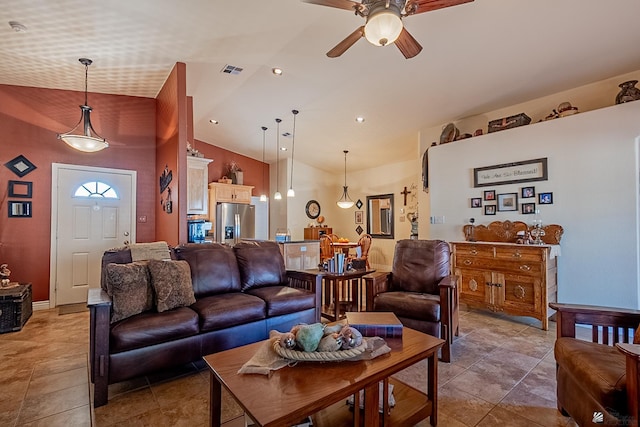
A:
x,y
364,243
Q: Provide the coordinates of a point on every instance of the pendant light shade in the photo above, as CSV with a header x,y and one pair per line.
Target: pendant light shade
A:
x,y
278,196
345,201
88,141
263,196
291,192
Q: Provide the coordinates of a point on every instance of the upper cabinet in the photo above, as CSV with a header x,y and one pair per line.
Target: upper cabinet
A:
x,y
229,193
197,179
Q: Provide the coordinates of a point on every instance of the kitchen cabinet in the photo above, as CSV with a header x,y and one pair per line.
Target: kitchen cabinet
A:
x,y
229,193
314,233
197,180
512,278
300,255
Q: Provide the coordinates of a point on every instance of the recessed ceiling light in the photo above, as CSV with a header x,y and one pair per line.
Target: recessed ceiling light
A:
x,y
214,121
17,27
277,71
360,119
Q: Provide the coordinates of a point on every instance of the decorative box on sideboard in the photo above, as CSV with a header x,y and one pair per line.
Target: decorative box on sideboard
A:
x,y
15,307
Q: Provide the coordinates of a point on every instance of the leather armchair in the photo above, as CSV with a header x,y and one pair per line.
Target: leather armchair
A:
x,y
598,379
419,290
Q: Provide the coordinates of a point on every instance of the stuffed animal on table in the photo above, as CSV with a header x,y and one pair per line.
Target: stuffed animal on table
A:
x,y
320,337
351,337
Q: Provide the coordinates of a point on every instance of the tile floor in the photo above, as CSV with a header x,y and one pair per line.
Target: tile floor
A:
x,y
502,373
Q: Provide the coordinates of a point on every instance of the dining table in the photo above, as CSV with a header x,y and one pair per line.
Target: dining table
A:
x,y
344,246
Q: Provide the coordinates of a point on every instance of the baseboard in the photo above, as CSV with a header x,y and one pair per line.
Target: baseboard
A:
x,y
40,305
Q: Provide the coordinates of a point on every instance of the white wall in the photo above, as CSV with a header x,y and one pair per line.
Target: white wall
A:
x,y
593,174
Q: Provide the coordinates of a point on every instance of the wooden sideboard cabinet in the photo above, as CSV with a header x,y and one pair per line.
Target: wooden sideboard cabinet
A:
x,y
300,255
314,233
516,279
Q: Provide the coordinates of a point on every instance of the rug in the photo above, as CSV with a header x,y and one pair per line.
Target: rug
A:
x,y
72,308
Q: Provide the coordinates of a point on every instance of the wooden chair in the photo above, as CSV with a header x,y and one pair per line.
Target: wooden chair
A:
x,y
364,242
598,380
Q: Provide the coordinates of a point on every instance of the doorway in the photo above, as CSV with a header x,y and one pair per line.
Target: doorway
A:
x,y
92,210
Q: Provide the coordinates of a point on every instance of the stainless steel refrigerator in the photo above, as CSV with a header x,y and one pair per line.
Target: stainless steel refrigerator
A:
x,y
235,221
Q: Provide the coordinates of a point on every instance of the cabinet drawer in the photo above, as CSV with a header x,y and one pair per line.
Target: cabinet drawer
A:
x,y
523,253
470,250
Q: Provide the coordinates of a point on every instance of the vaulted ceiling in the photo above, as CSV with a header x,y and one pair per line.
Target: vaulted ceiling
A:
x,y
477,57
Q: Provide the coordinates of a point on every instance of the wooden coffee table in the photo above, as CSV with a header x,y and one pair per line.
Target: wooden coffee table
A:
x,y
318,389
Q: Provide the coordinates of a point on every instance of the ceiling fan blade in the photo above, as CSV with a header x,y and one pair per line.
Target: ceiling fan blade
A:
x,y
407,44
421,6
340,4
345,44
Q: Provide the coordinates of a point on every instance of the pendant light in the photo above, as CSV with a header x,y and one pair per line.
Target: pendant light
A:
x,y
290,192
345,201
263,196
89,141
278,196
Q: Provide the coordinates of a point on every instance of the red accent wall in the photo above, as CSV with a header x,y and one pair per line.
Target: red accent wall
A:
x,y
171,154
253,169
30,118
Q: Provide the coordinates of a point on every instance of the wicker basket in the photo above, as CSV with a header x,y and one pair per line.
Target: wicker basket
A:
x,y
318,356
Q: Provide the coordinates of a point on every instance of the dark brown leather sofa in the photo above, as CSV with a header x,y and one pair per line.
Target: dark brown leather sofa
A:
x,y
420,290
241,294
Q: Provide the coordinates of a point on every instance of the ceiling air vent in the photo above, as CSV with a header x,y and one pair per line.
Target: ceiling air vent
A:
x,y
230,69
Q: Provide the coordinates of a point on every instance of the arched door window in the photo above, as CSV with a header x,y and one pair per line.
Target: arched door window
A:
x,y
96,189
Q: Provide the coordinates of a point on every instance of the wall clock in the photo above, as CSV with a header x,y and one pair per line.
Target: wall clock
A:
x,y
312,209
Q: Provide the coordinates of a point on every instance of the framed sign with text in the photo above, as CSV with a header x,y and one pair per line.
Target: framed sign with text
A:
x,y
509,173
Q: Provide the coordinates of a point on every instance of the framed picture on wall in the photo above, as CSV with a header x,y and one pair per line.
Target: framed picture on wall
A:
x,y
490,195
508,202
528,208
490,209
528,192
476,202
359,217
545,198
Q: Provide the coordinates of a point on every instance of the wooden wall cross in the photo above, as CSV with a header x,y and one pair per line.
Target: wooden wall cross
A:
x,y
405,193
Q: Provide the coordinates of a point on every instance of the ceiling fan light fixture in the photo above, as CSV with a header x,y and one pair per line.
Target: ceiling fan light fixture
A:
x,y
383,25
88,141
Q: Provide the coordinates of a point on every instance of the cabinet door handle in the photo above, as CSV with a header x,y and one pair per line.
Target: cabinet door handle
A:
x,y
525,268
473,252
497,285
467,262
489,284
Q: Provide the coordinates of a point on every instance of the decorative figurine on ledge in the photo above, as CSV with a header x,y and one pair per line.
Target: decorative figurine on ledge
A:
x,y
4,275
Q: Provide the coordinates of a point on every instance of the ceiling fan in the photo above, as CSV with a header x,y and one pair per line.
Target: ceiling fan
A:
x,y
384,22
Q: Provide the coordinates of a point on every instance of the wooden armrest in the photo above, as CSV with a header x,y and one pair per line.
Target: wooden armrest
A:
x,y
97,296
375,283
304,280
449,282
632,354
617,321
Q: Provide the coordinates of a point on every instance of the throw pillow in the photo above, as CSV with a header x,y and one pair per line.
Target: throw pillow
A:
x,y
171,281
129,288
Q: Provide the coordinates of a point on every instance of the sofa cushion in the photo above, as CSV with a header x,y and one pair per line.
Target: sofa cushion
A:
x,y
214,269
599,368
260,264
151,328
284,300
425,307
171,281
419,265
130,289
230,309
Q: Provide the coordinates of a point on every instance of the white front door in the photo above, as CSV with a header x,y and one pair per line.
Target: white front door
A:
x,y
93,211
